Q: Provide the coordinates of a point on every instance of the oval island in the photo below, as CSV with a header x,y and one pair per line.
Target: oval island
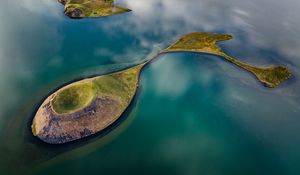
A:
x,y
85,107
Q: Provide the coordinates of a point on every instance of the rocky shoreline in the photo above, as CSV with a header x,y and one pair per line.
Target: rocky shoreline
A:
x,y
56,129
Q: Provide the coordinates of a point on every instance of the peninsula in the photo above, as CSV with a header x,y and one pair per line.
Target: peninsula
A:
x,y
206,43
88,106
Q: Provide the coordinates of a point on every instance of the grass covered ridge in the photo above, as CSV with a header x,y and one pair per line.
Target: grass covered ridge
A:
x,y
77,96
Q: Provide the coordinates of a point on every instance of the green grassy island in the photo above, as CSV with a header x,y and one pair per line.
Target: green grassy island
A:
x,y
91,8
206,43
88,106
85,107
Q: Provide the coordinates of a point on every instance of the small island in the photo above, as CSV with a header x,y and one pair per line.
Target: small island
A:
x,y
88,106
91,8
85,107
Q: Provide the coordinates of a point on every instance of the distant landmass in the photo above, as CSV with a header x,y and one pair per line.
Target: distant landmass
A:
x,y
91,8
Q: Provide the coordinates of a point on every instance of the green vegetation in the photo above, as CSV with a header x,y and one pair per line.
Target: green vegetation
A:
x,y
74,97
122,84
91,8
85,107
206,43
91,105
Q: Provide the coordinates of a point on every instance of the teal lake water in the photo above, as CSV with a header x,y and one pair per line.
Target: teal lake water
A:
x,y
193,113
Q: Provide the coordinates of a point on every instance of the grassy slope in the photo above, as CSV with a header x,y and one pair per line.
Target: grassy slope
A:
x,y
76,96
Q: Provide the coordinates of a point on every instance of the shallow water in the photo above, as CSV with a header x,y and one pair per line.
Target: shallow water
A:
x,y
193,114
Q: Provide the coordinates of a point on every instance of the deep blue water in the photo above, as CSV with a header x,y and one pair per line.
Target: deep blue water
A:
x,y
193,114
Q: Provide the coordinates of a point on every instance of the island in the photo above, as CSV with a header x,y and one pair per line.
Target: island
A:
x,y
86,107
91,8
203,42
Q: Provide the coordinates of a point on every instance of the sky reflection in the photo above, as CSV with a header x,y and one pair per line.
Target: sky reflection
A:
x,y
40,48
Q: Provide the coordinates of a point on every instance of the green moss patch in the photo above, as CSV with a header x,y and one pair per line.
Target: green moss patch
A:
x,y
74,98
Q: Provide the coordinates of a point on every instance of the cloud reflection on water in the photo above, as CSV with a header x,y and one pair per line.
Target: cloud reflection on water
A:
x,y
24,35
267,32
262,37
275,29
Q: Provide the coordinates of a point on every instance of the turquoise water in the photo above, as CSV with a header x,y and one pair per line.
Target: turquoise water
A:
x,y
193,114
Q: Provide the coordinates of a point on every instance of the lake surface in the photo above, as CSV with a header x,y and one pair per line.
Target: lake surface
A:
x,y
193,114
